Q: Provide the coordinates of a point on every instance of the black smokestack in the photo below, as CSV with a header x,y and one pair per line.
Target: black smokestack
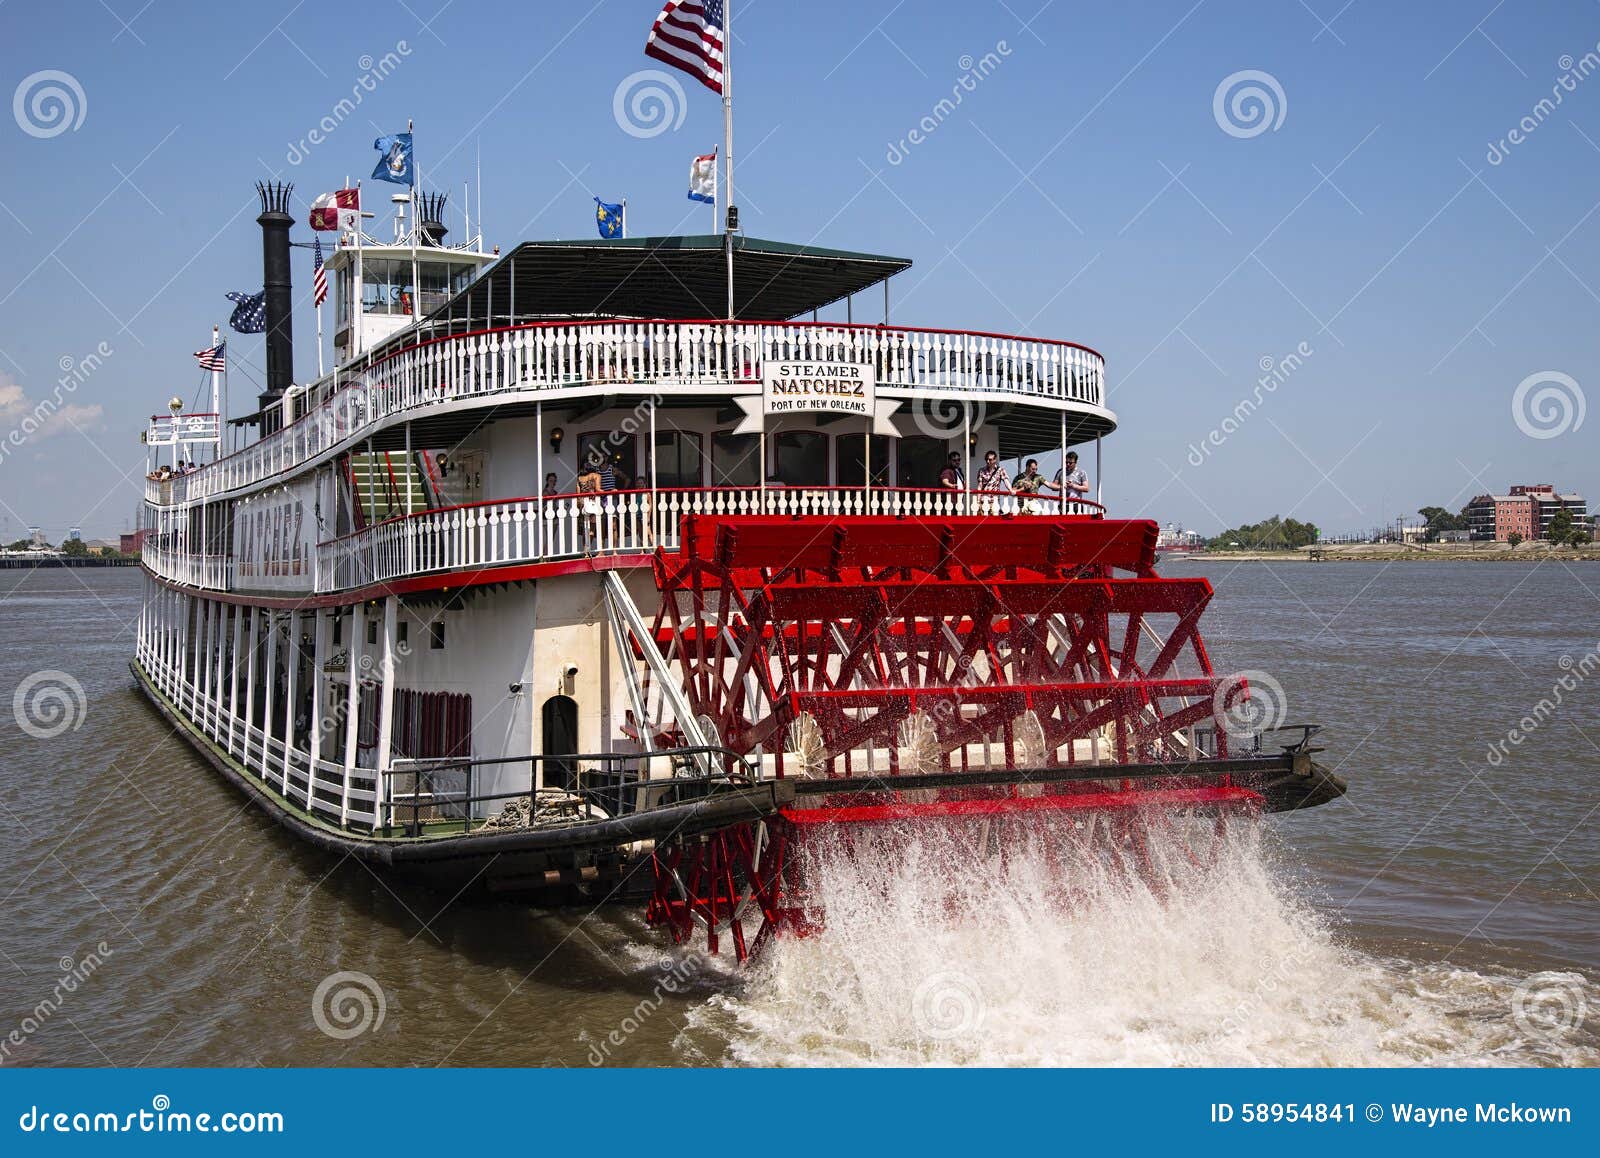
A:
x,y
275,222
430,216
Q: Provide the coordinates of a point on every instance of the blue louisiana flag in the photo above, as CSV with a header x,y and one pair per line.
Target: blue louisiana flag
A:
x,y
608,218
395,164
249,312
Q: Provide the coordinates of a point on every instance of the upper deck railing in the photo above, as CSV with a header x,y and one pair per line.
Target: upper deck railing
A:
x,y
508,532
551,355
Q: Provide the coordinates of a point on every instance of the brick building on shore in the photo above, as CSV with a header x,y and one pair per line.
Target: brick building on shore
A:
x,y
1525,511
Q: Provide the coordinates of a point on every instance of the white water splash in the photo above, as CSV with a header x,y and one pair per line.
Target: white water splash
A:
x,y
934,956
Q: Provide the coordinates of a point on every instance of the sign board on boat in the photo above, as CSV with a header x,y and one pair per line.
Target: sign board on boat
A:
x,y
798,387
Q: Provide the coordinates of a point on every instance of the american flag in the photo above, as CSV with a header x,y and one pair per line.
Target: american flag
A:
x,y
688,35
215,359
319,278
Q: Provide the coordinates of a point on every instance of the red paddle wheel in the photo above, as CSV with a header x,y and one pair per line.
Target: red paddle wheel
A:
x,y
975,672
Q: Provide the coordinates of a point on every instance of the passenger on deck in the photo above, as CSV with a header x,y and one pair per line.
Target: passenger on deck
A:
x,y
590,484
1027,485
1071,483
992,480
550,488
951,477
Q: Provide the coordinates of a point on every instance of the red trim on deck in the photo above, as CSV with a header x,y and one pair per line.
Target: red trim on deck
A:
x,y
1133,798
439,582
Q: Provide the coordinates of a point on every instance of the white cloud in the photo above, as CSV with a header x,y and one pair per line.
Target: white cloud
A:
x,y
27,419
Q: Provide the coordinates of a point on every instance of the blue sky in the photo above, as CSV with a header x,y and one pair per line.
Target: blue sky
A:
x,y
1085,188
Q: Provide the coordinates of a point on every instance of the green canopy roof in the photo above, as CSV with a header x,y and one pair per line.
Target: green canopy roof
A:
x,y
661,277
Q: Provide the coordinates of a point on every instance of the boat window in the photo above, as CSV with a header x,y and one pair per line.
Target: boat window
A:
x,y
678,459
919,460
798,458
735,460
385,286
852,466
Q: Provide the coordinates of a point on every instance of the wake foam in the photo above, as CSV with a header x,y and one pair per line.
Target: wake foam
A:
x,y
949,945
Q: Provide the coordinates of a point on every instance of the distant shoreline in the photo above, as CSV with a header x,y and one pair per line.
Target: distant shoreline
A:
x,y
1385,553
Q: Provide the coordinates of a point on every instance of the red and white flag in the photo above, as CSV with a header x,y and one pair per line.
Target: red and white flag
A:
x,y
336,211
688,35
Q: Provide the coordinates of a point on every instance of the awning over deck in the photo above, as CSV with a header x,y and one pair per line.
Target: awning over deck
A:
x,y
661,277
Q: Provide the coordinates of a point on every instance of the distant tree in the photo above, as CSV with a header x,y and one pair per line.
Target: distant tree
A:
x,y
1274,534
1438,519
75,548
20,545
1513,539
1560,528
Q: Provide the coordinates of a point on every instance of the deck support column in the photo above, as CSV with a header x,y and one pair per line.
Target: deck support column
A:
x,y
219,649
250,684
538,454
391,614
1099,485
291,664
233,677
319,656
352,710
271,700
208,639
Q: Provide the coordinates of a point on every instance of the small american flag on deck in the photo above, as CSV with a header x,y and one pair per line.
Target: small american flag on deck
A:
x,y
214,359
319,276
688,35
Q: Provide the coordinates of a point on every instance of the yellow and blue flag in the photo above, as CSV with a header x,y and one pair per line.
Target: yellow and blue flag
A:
x,y
608,218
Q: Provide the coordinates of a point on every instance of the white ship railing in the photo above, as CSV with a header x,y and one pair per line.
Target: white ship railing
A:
x,y
693,354
317,785
532,530
212,572
498,534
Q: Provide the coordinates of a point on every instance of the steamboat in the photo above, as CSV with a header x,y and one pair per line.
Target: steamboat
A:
x,y
774,612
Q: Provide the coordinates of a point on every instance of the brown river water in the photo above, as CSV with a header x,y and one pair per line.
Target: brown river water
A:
x,y
1445,912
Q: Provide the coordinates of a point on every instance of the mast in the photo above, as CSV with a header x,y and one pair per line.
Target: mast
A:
x,y
727,140
217,405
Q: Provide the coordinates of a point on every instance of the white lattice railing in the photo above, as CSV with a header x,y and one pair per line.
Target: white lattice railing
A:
x,y
498,534
696,354
212,572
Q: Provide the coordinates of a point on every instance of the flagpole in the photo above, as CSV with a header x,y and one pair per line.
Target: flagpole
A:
x,y
624,219
416,289
318,306
357,290
216,395
727,137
